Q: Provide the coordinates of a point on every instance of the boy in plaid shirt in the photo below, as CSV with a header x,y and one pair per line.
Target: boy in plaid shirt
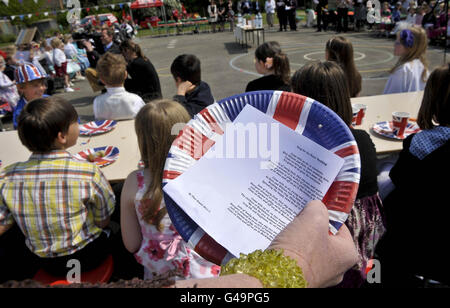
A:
x,y
61,205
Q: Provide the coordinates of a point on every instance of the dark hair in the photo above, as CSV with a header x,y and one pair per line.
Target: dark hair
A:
x,y
280,60
435,103
130,45
340,50
187,67
42,119
325,82
109,32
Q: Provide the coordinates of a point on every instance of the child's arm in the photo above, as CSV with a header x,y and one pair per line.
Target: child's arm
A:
x,y
130,228
104,200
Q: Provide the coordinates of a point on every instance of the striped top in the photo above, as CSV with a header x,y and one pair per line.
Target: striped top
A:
x,y
55,200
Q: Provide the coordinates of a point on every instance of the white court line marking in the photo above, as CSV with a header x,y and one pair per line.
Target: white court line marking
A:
x,y
172,44
361,55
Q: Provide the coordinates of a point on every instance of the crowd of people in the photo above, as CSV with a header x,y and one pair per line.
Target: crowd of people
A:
x,y
69,212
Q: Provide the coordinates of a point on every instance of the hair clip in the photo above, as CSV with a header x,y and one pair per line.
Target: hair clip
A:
x,y
407,38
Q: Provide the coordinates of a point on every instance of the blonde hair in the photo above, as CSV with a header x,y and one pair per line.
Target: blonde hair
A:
x,y
154,124
417,51
56,42
111,69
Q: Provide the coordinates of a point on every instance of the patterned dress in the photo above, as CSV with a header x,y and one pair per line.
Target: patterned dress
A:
x,y
163,251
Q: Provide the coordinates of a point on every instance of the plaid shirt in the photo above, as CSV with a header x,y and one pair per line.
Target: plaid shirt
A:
x,y
55,201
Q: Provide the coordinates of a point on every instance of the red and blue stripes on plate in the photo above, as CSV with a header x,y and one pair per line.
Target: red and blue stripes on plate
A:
x,y
111,154
302,114
97,127
385,129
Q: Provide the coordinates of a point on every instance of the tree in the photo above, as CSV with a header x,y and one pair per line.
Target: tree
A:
x,y
23,8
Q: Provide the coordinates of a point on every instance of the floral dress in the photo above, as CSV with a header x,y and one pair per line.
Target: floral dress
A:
x,y
163,251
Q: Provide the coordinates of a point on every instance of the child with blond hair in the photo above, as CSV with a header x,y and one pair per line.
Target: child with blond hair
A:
x,y
116,103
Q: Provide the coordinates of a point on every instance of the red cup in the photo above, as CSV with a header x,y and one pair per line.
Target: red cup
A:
x,y
361,112
399,122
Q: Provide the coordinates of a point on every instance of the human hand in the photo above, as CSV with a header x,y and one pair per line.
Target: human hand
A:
x,y
184,87
88,45
323,258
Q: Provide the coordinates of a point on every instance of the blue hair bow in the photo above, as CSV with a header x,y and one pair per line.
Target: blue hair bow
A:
x,y
407,38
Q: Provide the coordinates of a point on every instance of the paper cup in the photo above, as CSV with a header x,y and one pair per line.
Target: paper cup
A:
x,y
399,122
355,111
361,112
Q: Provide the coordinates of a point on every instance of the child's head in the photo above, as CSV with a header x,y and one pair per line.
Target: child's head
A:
x,y
31,83
411,44
56,42
112,69
325,82
435,105
157,124
340,50
386,5
186,68
47,124
270,59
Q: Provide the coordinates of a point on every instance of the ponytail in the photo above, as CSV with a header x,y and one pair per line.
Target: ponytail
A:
x,y
281,67
280,64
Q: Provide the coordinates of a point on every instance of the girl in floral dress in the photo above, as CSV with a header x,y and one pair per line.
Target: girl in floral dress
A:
x,y
147,230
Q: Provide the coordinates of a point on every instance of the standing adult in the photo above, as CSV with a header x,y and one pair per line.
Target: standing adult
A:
x,y
281,13
342,8
230,14
93,56
321,16
269,7
221,14
144,78
213,15
291,12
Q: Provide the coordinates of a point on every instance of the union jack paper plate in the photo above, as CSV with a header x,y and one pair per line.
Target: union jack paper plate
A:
x,y
304,115
385,129
102,156
97,127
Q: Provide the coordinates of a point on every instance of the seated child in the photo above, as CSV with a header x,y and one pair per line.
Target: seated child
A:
x,y
31,85
193,93
60,204
147,230
116,103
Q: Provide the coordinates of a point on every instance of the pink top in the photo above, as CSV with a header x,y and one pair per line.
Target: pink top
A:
x,y
162,251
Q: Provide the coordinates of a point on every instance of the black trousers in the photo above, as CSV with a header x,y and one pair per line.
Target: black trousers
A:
x,y
342,17
291,18
282,18
321,17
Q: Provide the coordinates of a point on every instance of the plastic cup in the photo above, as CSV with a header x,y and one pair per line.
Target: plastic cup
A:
x,y
355,111
361,112
399,122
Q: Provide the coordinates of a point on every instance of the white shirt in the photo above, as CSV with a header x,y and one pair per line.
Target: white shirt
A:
x,y
270,6
406,78
59,57
117,104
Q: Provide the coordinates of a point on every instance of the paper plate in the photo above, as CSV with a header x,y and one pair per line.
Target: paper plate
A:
x,y
110,155
385,129
304,115
97,127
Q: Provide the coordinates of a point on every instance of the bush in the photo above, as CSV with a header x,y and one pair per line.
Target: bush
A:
x,y
7,38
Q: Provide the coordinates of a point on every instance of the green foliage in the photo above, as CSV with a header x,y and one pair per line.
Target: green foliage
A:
x,y
7,38
25,7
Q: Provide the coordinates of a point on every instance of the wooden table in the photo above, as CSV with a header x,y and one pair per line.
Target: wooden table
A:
x,y
122,136
241,34
380,108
